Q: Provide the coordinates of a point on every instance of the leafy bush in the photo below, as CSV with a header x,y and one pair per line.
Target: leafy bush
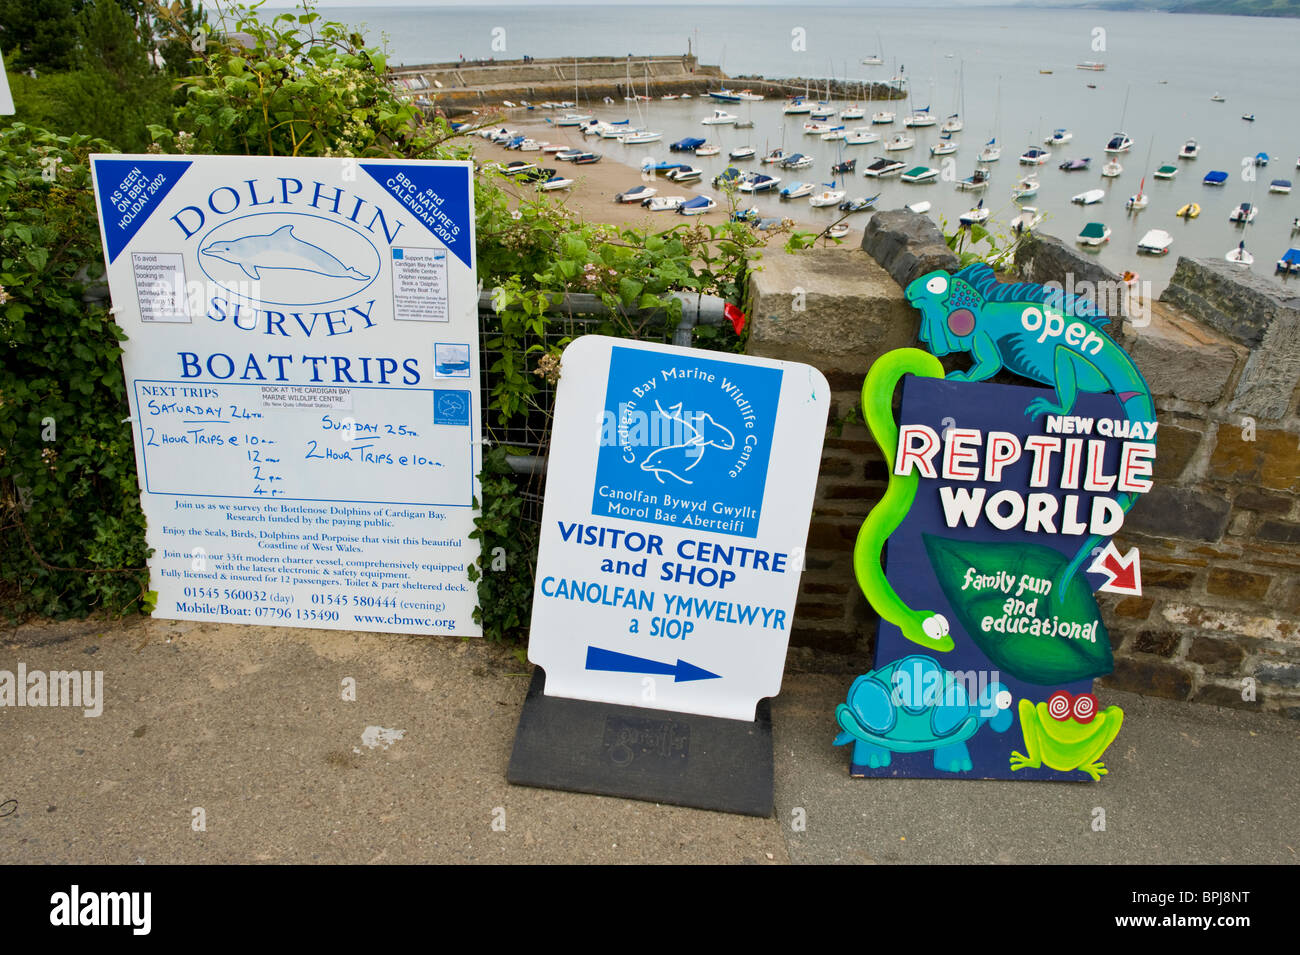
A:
x,y
71,531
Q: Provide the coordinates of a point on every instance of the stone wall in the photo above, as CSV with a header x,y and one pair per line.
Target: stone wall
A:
x,y
1219,618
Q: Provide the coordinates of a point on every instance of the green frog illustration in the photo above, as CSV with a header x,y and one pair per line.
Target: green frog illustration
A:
x,y
1066,744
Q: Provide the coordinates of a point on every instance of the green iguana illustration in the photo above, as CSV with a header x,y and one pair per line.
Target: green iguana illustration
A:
x,y
1040,333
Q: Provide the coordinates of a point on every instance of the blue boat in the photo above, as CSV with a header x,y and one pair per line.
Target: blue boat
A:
x,y
1215,177
730,174
1290,262
1261,159
688,145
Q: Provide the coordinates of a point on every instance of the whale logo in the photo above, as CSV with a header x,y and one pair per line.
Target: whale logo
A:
x,y
676,460
280,249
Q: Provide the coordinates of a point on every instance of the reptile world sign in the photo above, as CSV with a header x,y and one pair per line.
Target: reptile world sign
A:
x,y
983,556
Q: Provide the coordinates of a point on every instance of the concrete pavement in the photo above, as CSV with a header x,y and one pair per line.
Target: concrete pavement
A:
x,y
250,726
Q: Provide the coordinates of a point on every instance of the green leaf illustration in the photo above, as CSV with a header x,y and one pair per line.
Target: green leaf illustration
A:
x,y
1047,639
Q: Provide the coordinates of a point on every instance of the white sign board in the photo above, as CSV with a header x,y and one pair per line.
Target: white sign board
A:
x,y
678,494
302,368
6,98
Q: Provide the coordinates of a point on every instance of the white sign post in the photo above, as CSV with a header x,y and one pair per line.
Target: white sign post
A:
x,y
302,368
678,495
6,98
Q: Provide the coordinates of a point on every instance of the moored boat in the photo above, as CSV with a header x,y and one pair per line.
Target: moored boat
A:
x,y
900,142
685,174
1094,234
1166,171
697,206
1243,214
1215,177
1091,197
974,216
859,203
1281,187
1189,211
719,118
664,203
1190,150
1033,156
1119,143
1155,242
883,167
919,175
1028,217
636,194
1289,264
1239,256
1026,187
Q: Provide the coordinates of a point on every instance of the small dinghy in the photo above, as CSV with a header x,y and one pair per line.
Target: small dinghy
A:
x,y
1111,169
1090,197
1075,165
1189,211
1239,256
1191,149
920,208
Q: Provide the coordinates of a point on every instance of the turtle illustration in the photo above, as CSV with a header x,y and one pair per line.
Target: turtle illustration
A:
x,y
913,705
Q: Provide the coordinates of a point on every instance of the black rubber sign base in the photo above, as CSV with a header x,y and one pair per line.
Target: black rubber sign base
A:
x,y
656,755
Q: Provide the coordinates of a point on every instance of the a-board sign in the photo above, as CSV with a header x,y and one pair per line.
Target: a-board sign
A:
x,y
6,98
678,497
302,369
994,532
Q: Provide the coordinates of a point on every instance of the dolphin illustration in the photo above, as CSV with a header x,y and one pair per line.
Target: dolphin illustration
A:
x,y
280,249
676,459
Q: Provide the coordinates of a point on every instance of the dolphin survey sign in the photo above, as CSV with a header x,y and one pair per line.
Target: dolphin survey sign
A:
x,y
299,332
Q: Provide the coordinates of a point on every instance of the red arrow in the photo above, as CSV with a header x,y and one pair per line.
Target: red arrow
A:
x,y
1125,572
1123,576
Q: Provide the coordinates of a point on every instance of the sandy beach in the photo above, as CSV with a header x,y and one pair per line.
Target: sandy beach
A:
x,y
595,185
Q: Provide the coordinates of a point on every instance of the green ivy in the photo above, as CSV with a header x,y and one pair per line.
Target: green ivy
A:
x,y
71,531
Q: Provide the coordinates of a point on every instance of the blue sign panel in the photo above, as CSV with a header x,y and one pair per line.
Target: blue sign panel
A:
x,y
685,441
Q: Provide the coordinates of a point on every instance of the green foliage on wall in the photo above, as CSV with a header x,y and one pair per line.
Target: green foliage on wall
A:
x,y
71,530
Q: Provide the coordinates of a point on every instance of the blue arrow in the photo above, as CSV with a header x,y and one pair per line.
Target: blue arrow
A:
x,y
682,672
